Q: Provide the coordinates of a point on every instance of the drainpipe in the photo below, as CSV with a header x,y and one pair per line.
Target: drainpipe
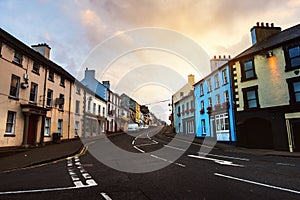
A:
x,y
43,116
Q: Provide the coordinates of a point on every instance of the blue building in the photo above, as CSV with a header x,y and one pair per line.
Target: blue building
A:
x,y
214,113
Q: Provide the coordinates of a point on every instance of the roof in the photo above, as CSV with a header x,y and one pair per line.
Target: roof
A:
x,y
271,42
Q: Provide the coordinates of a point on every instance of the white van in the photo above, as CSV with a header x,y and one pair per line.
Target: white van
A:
x,y
132,127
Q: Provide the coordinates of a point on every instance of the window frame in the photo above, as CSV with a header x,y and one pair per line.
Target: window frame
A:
x,y
36,68
47,127
48,99
62,81
217,81
60,127
51,75
17,87
243,71
77,107
291,88
35,92
18,58
289,66
201,90
12,124
61,106
246,100
224,76
209,85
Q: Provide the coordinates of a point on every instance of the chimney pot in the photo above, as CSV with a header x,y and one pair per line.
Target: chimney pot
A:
x,y
262,24
220,56
272,24
224,56
215,57
257,24
267,24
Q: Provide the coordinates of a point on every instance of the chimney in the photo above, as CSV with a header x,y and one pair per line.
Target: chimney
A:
x,y
43,49
261,32
89,74
191,79
106,84
215,63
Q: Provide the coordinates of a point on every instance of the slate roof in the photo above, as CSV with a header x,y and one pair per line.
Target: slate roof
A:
x,y
272,42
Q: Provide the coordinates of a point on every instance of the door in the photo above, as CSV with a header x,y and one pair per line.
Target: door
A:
x,y
296,134
32,129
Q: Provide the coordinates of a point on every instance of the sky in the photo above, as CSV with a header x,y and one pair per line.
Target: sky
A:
x,y
145,48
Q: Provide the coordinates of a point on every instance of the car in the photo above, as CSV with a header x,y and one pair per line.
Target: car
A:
x,y
132,127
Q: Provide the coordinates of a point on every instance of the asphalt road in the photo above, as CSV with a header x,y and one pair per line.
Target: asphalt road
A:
x,y
144,165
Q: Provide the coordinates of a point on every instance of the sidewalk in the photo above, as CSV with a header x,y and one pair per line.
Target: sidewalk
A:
x,y
38,155
230,148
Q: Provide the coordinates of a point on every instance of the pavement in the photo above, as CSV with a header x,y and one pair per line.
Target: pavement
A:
x,y
231,148
11,159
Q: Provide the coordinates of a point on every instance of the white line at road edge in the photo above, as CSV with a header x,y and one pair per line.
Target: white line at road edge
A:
x,y
105,196
257,183
221,156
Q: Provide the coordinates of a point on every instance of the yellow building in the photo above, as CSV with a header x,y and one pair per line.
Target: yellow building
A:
x,y
35,95
266,87
137,113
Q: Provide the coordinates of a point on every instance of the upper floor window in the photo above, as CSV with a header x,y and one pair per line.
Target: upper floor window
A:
x,y
201,89
51,75
248,70
226,96
293,57
99,109
61,101
218,99
209,101
217,81
209,85
36,68
18,58
49,98
202,105
14,86
251,97
77,108
47,126
77,89
33,92
294,90
10,123
94,108
225,78
62,81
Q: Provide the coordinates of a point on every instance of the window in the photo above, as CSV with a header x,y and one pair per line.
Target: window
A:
x,y
77,90
33,92
217,81
294,90
209,85
203,126
293,56
18,58
76,128
77,108
182,108
60,127
103,112
181,94
99,110
226,96
14,86
62,81
222,123
36,68
209,101
248,71
178,111
94,126
224,75
201,89
94,108
218,99
47,126
10,123
187,106
192,104
202,104
251,97
51,76
49,98
61,102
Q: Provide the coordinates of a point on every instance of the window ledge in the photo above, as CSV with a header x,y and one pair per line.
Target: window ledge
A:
x,y
14,98
35,72
249,79
52,80
9,135
19,64
61,110
62,85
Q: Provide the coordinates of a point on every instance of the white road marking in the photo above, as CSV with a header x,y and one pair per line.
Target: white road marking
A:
x,y
169,161
258,183
221,162
221,156
144,144
105,196
286,164
140,150
174,148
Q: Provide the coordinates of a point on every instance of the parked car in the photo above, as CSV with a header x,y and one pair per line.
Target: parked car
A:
x,y
132,127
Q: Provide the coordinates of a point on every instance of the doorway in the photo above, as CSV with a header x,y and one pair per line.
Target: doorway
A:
x,y
32,129
295,124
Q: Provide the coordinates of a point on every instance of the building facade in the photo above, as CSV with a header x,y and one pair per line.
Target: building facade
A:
x,y
266,85
214,115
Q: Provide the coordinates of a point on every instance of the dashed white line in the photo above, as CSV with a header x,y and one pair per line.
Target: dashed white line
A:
x,y
140,150
221,162
176,148
105,196
257,183
221,156
286,164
